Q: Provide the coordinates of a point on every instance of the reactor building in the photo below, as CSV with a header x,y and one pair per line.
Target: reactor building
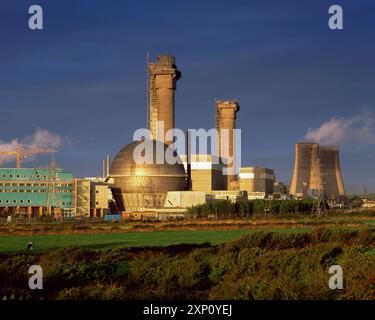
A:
x,y
140,185
144,185
316,171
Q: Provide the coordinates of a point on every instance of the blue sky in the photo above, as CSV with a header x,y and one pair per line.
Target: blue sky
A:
x,y
83,76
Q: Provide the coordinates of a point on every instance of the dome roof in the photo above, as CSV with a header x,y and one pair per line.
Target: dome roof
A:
x,y
135,177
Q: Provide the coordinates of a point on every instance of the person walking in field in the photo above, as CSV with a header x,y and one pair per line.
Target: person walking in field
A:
x,y
30,245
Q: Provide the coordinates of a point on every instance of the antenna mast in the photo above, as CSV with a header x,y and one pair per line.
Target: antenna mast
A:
x,y
319,205
53,206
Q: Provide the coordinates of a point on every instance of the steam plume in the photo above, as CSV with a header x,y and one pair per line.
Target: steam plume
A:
x,y
339,131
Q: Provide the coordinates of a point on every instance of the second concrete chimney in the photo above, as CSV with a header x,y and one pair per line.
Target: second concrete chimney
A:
x,y
163,76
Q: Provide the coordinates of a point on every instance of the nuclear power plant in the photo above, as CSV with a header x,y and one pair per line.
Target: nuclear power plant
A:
x,y
197,178
316,171
132,187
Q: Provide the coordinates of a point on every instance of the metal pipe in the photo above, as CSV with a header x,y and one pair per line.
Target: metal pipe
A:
x,y
188,161
108,164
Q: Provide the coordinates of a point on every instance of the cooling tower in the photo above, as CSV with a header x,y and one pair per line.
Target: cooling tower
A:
x,y
316,169
306,168
226,112
163,76
331,172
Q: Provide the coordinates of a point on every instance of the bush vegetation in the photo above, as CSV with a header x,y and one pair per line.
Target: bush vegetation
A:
x,y
246,209
261,265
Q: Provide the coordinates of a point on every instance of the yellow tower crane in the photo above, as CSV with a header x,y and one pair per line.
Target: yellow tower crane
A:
x,y
22,153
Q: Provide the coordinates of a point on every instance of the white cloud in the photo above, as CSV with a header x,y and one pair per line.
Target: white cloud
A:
x,y
41,139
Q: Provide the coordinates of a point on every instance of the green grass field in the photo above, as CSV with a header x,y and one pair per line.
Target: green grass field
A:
x,y
130,239
96,241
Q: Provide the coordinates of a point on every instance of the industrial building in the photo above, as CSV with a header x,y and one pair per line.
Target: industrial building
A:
x,y
257,180
34,191
206,172
185,199
42,191
92,197
368,204
280,188
316,171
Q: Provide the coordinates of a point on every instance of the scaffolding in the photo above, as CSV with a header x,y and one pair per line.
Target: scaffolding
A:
x,y
82,197
153,107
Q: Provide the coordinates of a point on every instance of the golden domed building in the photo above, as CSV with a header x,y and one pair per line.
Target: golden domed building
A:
x,y
144,185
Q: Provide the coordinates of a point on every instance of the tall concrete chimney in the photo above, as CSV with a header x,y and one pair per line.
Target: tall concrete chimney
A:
x,y
163,76
226,112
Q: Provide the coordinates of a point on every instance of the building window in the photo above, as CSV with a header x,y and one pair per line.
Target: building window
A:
x,y
15,201
7,201
28,201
